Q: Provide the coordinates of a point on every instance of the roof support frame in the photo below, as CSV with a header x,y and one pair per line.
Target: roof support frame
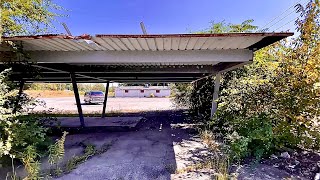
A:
x,y
57,70
195,57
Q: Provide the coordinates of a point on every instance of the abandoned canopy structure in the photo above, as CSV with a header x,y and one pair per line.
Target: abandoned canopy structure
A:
x,y
132,58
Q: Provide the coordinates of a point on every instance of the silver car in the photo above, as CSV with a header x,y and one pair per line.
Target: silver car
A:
x,y
93,97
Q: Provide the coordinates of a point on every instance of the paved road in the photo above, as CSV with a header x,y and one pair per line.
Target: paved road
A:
x,y
68,105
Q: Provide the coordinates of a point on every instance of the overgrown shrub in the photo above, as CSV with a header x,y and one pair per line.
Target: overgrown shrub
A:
x,y
21,137
274,102
252,137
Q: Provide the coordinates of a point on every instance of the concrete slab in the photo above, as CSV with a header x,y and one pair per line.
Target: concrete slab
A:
x,y
69,122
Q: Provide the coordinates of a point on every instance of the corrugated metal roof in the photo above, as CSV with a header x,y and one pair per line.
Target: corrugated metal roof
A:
x,y
166,42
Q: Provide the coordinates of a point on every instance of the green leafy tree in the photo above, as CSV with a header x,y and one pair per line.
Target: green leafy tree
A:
x,y
223,27
26,17
275,103
22,137
198,96
272,103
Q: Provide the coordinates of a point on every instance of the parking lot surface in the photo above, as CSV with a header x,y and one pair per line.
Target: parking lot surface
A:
x,y
68,105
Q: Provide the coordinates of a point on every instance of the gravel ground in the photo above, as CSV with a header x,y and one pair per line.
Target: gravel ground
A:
x,y
68,105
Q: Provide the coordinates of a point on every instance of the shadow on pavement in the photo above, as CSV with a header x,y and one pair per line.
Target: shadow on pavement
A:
x,y
146,153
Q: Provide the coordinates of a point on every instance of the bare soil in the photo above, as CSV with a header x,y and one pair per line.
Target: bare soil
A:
x,y
301,163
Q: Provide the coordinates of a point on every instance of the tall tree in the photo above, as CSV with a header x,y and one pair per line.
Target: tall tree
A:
x,y
25,17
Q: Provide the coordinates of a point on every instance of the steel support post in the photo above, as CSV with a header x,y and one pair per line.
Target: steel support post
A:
x,y
19,96
105,101
215,94
77,97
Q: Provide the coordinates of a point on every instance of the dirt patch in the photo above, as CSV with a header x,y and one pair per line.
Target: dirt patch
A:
x,y
300,163
55,94
49,94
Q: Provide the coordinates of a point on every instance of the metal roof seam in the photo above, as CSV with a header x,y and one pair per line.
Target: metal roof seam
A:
x,y
127,43
60,45
104,44
42,44
148,45
66,43
120,44
180,42
140,45
204,43
110,44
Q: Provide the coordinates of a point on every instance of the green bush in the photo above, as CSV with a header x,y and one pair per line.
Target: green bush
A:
x,y
251,137
274,102
22,137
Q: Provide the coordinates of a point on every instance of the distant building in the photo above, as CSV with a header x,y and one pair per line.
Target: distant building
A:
x,y
142,91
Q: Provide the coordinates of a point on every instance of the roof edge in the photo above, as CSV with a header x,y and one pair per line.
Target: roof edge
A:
x,y
86,36
283,34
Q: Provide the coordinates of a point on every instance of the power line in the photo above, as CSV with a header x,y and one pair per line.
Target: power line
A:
x,y
288,21
279,15
280,20
285,24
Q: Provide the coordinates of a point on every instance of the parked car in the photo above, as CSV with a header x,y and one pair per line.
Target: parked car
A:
x,y
93,97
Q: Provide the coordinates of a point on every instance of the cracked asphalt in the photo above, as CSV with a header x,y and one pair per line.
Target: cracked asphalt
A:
x,y
148,153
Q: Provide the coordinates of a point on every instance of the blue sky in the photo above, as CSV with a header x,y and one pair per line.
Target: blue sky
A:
x,y
169,16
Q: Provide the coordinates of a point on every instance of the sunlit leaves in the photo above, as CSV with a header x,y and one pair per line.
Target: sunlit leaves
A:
x,y
27,17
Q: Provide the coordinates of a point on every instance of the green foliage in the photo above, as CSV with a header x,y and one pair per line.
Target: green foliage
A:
x,y
198,96
90,150
25,17
21,137
274,102
56,153
238,146
223,27
51,86
251,137
32,165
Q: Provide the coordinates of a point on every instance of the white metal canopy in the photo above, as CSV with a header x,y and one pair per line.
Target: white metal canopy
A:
x,y
131,58
157,57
